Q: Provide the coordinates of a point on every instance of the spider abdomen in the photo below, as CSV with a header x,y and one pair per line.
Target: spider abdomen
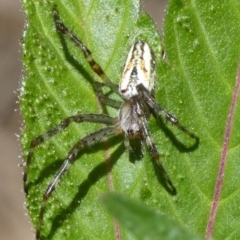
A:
x,y
139,69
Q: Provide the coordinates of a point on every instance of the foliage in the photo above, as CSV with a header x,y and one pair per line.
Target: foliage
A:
x,y
196,82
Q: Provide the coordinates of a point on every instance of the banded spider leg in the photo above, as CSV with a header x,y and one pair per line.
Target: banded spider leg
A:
x,y
86,52
144,103
86,141
160,111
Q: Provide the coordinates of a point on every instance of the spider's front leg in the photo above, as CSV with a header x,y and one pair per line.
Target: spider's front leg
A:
x,y
87,141
86,52
159,110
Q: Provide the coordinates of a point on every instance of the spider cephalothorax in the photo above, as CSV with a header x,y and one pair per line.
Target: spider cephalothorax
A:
x,y
136,88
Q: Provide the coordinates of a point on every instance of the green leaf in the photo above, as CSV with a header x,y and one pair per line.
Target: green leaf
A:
x,y
196,82
143,222
203,47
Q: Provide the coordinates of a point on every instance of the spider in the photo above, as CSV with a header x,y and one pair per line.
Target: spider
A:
x,y
136,88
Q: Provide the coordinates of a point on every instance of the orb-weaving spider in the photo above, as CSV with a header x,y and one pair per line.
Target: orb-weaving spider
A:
x,y
136,88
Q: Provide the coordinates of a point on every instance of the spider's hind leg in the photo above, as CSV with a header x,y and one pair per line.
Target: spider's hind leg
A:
x,y
151,145
95,118
87,141
160,111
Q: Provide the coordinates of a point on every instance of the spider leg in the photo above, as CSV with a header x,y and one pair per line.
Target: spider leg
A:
x,y
105,99
150,143
87,53
95,118
159,110
87,141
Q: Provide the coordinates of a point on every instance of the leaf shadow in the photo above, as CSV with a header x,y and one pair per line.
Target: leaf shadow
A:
x,y
181,147
162,180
